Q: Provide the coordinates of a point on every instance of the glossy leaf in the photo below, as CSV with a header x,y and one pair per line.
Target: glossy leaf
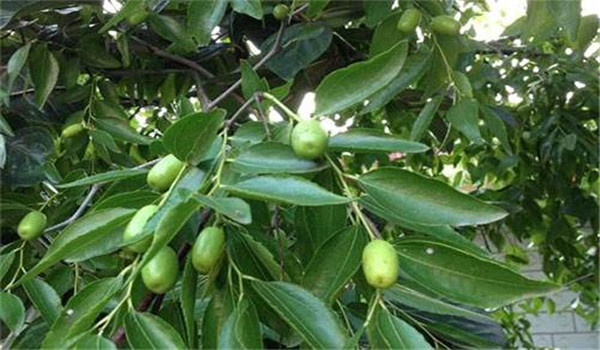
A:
x,y
305,313
188,301
190,138
43,70
465,117
94,234
251,256
121,130
94,342
273,157
348,86
371,140
242,328
386,34
334,263
112,175
215,315
16,63
148,331
44,297
465,278
421,200
387,331
285,189
251,81
81,312
6,261
203,17
233,208
252,8
12,311
134,200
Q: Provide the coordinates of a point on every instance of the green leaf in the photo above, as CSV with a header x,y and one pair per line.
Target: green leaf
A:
x,y
463,277
306,314
121,130
188,301
134,200
417,300
412,70
334,263
315,7
16,63
386,331
273,157
353,84
252,8
44,297
94,342
95,234
191,137
148,331
103,138
425,118
371,140
465,117
43,69
6,261
131,7
386,34
253,258
167,27
12,311
242,328
233,208
421,200
81,312
496,126
112,175
301,45
285,189
376,11
203,17
251,81
216,313
5,127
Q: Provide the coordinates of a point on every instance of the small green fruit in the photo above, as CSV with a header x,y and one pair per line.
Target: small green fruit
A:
x,y
309,140
72,130
380,264
281,11
163,173
208,248
445,25
137,18
409,21
32,225
160,273
136,226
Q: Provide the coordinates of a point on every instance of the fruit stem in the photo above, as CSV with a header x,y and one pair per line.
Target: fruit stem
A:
x,y
283,107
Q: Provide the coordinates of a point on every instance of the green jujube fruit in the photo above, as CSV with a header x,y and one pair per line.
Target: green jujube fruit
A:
x,y
409,20
309,139
208,248
136,226
380,264
163,173
281,11
72,130
32,225
160,273
445,25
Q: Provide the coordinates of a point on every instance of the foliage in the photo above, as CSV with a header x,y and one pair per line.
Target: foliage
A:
x,y
449,139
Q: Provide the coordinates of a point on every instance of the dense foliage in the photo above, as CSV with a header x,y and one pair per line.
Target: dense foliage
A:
x,y
159,189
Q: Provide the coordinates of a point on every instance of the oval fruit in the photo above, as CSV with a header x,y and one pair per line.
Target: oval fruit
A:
x,y
163,173
136,226
309,140
160,273
32,225
409,20
380,264
71,130
208,248
445,25
281,11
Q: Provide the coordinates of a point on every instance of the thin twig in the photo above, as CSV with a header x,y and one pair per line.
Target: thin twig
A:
x,y
201,93
274,49
239,112
82,207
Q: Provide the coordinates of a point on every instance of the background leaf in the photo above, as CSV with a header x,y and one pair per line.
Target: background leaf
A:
x,y
43,69
147,331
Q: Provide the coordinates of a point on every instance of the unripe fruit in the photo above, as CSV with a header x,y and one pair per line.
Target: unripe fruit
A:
x,y
445,25
160,273
72,130
208,248
409,20
136,226
162,175
32,225
281,11
309,140
380,264
137,18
